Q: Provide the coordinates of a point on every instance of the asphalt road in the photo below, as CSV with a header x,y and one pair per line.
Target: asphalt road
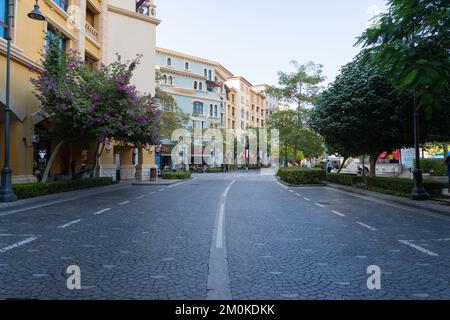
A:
x,y
234,236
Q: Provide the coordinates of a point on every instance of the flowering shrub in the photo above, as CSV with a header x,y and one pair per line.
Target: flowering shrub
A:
x,y
84,102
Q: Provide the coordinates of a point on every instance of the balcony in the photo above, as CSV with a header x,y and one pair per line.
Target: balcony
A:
x,y
91,31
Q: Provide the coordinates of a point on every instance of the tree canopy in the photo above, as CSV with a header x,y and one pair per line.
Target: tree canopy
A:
x,y
412,42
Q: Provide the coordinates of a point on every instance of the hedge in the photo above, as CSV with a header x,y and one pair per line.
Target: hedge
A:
x,y
178,175
435,167
31,190
298,176
214,170
394,185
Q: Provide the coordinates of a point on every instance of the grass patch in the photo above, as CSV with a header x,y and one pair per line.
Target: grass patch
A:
x,y
178,175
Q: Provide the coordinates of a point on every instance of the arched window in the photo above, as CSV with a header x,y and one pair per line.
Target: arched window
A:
x,y
164,79
169,61
170,80
215,111
205,72
186,65
211,110
200,86
209,75
195,85
198,108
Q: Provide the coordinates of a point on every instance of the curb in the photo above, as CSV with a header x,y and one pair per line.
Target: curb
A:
x,y
60,197
301,185
394,199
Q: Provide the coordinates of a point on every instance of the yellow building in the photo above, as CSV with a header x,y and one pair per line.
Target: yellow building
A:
x,y
98,29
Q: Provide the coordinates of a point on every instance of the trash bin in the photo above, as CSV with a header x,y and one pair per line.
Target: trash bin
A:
x,y
153,174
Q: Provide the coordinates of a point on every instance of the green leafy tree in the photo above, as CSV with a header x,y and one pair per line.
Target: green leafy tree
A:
x,y
301,88
412,42
294,133
172,116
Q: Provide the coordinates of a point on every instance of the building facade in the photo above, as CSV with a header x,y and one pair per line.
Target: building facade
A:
x,y
97,29
193,83
271,103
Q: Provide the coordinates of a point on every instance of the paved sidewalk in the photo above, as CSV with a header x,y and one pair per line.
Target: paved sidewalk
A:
x,y
60,197
441,207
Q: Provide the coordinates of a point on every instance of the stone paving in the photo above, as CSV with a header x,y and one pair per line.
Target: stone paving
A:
x,y
154,242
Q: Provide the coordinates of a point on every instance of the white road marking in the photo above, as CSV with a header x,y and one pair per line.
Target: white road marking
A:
x,y
291,191
421,249
298,195
69,224
338,213
161,190
366,226
54,202
141,197
17,244
151,193
123,203
282,185
6,235
307,199
219,237
180,183
228,188
319,205
101,211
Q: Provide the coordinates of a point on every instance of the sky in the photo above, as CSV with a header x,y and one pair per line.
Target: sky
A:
x,y
258,38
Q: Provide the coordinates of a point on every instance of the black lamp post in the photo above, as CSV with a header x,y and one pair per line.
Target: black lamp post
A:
x,y
6,192
419,193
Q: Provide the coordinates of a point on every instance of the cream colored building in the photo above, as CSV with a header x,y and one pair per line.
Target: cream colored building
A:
x,y
98,29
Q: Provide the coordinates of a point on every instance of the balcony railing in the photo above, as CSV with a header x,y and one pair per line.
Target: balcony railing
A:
x,y
91,31
146,7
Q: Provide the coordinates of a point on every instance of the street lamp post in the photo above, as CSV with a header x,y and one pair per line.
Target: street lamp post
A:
x,y
6,192
419,193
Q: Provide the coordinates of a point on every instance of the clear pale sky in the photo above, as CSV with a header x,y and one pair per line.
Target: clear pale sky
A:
x,y
257,38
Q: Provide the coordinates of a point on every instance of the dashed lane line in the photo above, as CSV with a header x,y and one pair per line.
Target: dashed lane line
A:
x,y
421,249
319,205
366,226
338,213
102,211
124,203
307,199
180,183
69,224
17,244
140,197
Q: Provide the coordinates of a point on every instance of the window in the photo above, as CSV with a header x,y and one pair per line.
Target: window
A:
x,y
169,61
195,85
62,3
170,80
246,116
186,65
164,79
205,72
198,108
55,37
210,110
3,17
209,75
215,111
200,86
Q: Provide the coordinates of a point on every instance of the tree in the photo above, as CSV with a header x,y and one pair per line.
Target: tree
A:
x,y
412,42
300,87
294,133
360,113
80,102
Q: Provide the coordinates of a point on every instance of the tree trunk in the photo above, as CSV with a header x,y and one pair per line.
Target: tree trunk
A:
x,y
445,150
51,160
97,155
295,155
286,159
373,165
343,163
